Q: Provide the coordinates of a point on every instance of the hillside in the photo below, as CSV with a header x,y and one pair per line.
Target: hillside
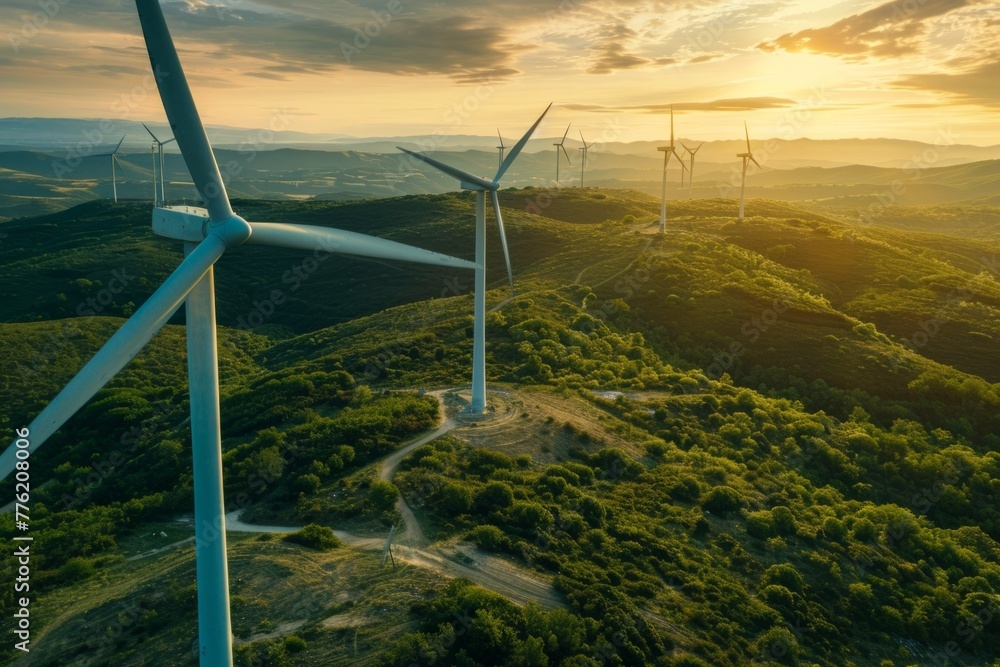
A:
x,y
725,445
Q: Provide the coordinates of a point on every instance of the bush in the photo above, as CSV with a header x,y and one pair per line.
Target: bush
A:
x,y
488,537
314,536
722,499
494,496
294,644
382,495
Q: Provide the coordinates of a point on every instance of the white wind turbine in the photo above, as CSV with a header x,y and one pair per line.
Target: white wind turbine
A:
x,y
501,148
691,154
747,159
583,163
481,186
667,152
562,146
162,197
114,161
207,234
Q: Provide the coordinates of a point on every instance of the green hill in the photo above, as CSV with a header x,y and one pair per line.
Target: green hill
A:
x,y
785,475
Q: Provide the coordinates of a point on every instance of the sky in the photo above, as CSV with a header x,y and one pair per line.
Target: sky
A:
x,y
823,69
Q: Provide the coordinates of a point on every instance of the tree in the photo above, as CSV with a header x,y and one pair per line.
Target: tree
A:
x,y
382,494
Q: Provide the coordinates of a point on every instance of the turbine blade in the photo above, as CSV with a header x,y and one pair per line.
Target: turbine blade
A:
x,y
755,161
676,155
182,113
566,134
748,135
151,133
501,138
164,143
308,237
121,348
119,145
503,236
516,150
568,161
460,174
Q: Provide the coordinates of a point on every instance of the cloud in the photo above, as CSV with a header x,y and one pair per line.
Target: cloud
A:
x,y
708,57
737,104
975,84
610,54
890,30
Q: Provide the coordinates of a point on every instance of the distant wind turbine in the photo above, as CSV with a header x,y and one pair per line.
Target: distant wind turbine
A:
x,y
667,152
562,146
583,163
114,161
207,233
691,154
747,159
159,149
501,148
481,186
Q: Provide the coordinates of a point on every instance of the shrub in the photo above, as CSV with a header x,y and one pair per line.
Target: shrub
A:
x,y
722,499
494,496
294,644
488,537
382,495
314,536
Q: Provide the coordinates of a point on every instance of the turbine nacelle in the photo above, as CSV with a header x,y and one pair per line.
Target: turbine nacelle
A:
x,y
192,224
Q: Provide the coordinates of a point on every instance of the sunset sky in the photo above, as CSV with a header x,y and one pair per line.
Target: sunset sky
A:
x,y
792,68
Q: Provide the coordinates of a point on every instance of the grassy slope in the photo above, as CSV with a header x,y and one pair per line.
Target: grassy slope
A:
x,y
722,274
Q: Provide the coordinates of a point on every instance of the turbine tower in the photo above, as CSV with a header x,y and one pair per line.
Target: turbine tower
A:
x,y
481,186
152,153
691,154
562,146
207,234
114,161
667,152
747,159
583,163
501,148
159,149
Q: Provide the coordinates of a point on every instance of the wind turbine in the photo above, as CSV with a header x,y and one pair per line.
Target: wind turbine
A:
x,y
747,159
583,163
500,148
159,149
481,186
562,146
667,152
152,153
114,161
691,154
207,234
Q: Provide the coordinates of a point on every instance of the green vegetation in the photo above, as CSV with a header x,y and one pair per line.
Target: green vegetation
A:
x,y
788,474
